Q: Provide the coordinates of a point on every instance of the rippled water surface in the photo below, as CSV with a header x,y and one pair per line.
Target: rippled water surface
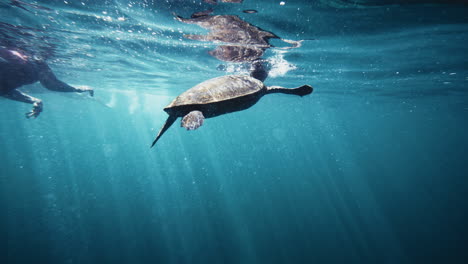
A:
x,y
369,168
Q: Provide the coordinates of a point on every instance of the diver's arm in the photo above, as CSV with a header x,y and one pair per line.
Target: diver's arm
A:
x,y
22,97
50,81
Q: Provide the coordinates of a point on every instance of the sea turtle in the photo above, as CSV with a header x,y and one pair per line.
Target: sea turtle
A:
x,y
219,96
228,29
240,40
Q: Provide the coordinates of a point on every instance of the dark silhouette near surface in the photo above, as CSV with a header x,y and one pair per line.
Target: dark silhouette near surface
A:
x,y
240,41
18,68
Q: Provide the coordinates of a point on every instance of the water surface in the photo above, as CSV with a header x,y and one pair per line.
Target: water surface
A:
x,y
370,168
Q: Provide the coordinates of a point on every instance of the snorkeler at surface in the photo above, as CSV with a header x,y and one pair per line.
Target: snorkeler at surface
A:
x,y
18,69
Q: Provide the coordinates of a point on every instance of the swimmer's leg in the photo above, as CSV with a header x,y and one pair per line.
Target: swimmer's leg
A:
x,y
50,81
22,97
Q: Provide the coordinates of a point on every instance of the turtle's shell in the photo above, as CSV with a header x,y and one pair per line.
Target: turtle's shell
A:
x,y
218,89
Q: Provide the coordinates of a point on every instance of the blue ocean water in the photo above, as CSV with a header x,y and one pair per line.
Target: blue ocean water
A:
x,y
369,168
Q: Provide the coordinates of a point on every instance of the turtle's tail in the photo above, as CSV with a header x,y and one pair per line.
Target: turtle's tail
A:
x,y
170,120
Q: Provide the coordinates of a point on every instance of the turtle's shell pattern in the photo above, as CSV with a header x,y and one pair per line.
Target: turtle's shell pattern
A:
x,y
218,89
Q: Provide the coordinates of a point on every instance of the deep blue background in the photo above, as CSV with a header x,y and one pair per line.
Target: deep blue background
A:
x,y
370,168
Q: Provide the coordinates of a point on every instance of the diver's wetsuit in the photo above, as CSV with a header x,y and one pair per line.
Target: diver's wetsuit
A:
x,y
18,69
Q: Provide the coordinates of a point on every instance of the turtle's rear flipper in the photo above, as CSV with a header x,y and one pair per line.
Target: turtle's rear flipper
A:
x,y
301,91
193,120
170,120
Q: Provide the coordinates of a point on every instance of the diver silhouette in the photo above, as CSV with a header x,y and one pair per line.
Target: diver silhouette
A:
x,y
18,68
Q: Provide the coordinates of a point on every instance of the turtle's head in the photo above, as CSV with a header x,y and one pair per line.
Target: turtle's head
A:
x,y
304,90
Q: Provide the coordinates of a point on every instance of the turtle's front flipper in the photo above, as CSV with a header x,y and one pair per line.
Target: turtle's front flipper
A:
x,y
295,43
184,20
301,91
193,120
170,120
